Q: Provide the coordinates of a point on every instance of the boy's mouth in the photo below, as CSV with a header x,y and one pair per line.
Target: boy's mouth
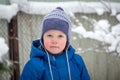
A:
x,y
54,47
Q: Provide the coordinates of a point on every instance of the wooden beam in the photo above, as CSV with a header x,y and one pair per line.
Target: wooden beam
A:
x,y
13,47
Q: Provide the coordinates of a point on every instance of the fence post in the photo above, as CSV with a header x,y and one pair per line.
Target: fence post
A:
x,y
13,47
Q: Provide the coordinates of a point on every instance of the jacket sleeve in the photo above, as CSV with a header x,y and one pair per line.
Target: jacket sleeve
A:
x,y
84,73
32,71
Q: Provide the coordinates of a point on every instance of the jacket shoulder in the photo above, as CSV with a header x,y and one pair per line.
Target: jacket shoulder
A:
x,y
80,63
32,69
78,58
36,63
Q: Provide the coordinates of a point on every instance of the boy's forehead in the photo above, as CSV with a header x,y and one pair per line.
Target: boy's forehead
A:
x,y
54,31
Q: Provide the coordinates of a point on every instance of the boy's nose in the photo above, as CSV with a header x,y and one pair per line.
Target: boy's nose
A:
x,y
54,41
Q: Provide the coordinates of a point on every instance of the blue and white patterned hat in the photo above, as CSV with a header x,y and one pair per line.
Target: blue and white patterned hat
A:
x,y
57,20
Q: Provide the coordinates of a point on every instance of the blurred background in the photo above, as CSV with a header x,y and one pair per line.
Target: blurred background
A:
x,y
95,34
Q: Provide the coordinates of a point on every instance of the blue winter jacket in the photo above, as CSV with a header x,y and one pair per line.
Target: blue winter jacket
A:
x,y
37,67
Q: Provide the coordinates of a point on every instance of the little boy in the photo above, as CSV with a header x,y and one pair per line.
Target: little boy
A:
x,y
52,57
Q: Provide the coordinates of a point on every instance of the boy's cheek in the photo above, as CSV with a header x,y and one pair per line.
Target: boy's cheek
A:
x,y
46,44
63,44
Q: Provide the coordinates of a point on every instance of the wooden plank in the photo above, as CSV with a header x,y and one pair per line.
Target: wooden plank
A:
x,y
13,47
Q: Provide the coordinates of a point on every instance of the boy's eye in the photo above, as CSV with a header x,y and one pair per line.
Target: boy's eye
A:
x,y
49,35
60,36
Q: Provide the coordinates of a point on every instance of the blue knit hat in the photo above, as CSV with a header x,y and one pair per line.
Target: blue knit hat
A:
x,y
57,20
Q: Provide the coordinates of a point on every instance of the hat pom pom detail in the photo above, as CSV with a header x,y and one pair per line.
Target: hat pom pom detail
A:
x,y
60,8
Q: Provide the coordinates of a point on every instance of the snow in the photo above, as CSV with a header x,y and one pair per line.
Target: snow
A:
x,y
102,29
102,25
102,32
32,7
116,30
99,11
118,17
8,11
3,48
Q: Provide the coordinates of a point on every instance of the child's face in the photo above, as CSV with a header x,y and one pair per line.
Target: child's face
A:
x,y
54,41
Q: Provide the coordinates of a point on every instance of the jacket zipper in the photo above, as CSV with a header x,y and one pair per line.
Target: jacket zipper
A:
x,y
56,67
